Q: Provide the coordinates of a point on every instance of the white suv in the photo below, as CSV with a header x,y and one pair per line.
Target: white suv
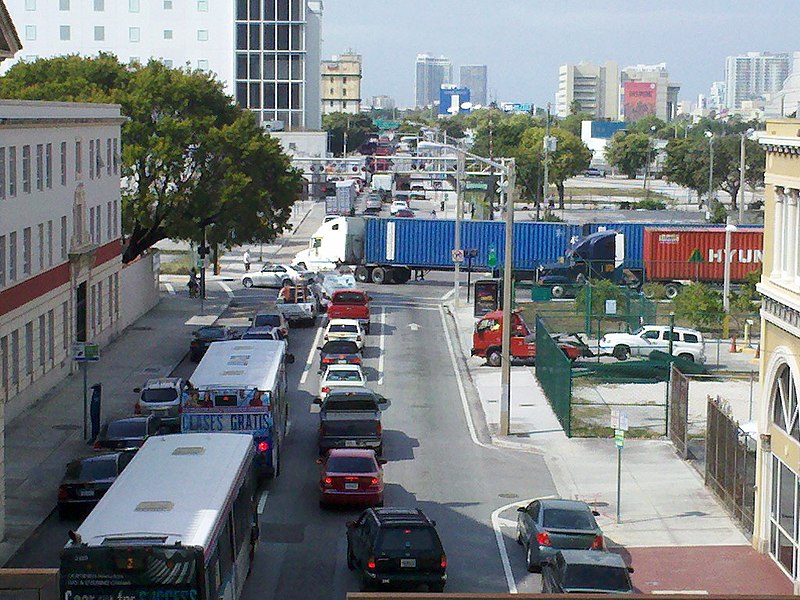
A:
x,y
686,343
162,398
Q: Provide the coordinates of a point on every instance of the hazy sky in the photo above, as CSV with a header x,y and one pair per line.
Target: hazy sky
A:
x,y
524,41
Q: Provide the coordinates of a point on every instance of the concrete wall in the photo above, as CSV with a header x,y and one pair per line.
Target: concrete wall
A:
x,y
138,288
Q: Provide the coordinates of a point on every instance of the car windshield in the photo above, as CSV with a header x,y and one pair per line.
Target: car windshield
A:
x,y
127,429
343,329
93,469
342,402
340,347
350,464
350,298
559,518
159,395
397,539
343,376
267,321
596,577
211,333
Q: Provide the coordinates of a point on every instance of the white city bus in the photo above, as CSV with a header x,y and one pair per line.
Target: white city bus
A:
x,y
180,523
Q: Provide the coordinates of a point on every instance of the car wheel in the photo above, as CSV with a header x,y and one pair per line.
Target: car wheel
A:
x,y
621,352
436,588
247,282
529,563
558,291
686,356
351,560
494,358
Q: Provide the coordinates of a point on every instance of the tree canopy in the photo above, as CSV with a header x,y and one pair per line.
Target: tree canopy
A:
x,y
191,158
629,152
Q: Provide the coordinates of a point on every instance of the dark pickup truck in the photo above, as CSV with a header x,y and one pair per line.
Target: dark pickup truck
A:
x,y
351,418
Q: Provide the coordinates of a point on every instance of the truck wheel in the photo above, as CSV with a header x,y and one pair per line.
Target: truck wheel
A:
x,y
671,290
621,352
362,275
247,282
558,291
381,275
494,358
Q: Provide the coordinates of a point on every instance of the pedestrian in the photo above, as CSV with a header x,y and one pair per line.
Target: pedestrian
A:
x,y
246,260
193,284
433,213
441,205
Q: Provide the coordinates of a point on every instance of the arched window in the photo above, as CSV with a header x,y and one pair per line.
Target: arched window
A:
x,y
784,402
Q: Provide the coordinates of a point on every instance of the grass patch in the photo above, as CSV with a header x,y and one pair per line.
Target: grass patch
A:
x,y
180,266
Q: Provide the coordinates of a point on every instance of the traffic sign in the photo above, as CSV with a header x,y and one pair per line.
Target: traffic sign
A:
x,y
619,438
85,352
491,260
619,420
458,256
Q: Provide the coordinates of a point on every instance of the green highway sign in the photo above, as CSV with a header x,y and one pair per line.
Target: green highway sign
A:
x,y
85,352
385,124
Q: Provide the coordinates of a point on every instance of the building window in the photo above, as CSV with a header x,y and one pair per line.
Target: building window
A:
x,y
26,169
12,171
64,33
30,4
50,243
93,308
202,35
29,348
99,33
98,225
4,366
12,256
42,339
2,173
51,336
91,159
99,5
65,325
63,4
785,409
99,305
91,225
115,217
98,159
40,237
64,248
40,167
48,166
26,251
108,156
134,34
202,5
111,298
116,296
2,261
78,159
202,64
167,4
115,155
783,517
133,5
63,163
15,357
108,222
168,34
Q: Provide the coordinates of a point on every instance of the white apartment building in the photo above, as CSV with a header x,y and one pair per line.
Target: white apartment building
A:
x,y
264,51
753,76
60,248
431,73
595,89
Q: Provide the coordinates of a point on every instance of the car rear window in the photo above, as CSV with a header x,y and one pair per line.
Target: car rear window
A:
x,y
213,333
343,376
267,321
559,518
350,403
92,470
690,338
125,429
159,395
351,464
343,329
340,347
397,539
349,298
596,577
259,335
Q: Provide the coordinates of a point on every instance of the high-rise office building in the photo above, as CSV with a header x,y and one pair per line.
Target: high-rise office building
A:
x,y
383,102
431,74
647,90
475,78
589,88
267,53
716,97
754,75
341,84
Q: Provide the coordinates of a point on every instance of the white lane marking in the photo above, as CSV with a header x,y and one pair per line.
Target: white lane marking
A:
x,y
506,522
381,346
262,502
310,358
448,295
461,391
412,306
314,409
226,288
501,547
170,288
681,592
413,327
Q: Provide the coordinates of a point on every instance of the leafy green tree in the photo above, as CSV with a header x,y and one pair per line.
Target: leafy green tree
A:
x,y
573,122
570,158
358,128
602,290
700,305
629,152
190,157
498,134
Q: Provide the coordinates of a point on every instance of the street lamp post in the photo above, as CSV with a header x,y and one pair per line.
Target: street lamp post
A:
x,y
710,137
726,282
508,282
742,169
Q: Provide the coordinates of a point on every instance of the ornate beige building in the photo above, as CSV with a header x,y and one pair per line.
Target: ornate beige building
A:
x,y
341,84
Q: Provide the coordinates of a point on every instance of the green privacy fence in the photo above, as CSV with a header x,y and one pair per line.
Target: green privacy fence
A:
x,y
554,372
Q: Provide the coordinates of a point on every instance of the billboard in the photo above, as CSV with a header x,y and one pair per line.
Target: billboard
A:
x,y
453,100
640,100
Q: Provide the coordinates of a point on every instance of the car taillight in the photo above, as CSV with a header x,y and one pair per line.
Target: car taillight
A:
x,y
543,539
379,428
328,481
62,493
597,544
97,445
325,390
371,563
137,409
263,446
443,562
327,361
357,360
374,481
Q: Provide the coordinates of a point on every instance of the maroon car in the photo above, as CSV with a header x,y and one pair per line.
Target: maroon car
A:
x,y
351,476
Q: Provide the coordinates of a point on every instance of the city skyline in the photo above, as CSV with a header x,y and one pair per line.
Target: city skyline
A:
x,y
532,41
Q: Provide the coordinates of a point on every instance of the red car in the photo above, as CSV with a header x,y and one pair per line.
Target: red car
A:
x,y
350,304
351,476
404,213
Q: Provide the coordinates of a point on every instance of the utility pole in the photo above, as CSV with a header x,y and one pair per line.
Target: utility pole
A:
x,y
710,137
546,185
741,179
508,187
459,216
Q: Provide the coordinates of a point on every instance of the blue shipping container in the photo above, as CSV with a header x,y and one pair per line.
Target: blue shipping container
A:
x,y
429,242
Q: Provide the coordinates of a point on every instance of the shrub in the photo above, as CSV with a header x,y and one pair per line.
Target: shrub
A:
x,y
700,305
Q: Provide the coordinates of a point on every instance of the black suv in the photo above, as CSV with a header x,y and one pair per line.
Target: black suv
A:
x,y
396,546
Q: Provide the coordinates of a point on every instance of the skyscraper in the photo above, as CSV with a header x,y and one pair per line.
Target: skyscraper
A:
x,y
267,53
475,77
593,89
753,75
431,74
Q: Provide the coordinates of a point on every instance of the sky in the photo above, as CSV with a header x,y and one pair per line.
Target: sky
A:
x,y
523,42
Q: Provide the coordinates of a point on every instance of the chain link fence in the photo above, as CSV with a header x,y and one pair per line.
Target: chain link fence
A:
x,y
554,372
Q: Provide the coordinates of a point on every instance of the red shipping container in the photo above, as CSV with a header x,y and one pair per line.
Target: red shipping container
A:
x,y
684,254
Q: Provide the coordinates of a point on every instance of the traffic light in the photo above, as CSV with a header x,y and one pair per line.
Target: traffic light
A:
x,y
203,251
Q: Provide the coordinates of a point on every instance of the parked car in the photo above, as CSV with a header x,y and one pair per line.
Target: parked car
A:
x,y
274,275
351,476
398,205
396,546
339,376
127,434
594,172
86,481
586,572
404,213
345,329
162,398
272,318
263,333
205,336
350,304
339,352
546,526
687,344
